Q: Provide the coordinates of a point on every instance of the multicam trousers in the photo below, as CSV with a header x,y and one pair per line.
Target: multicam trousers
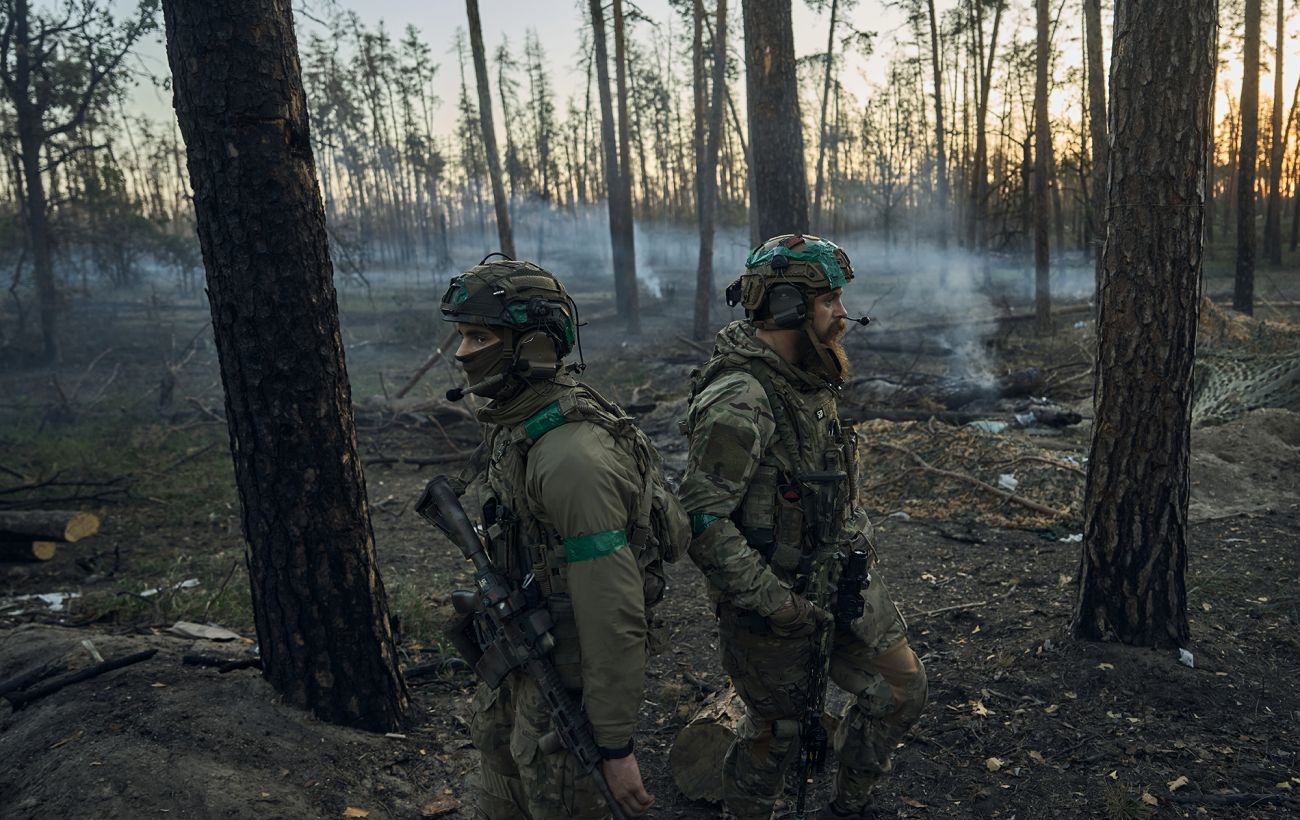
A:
x,y
517,781
871,661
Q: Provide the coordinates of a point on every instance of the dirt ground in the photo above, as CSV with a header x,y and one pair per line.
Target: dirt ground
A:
x,y
1022,720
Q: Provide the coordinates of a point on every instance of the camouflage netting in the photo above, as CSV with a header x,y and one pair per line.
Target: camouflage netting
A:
x,y
1243,364
894,481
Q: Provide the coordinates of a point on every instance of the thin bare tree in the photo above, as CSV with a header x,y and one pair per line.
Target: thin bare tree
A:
x,y
502,205
1243,289
1042,170
708,172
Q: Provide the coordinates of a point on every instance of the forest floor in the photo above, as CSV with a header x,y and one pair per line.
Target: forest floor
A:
x,y
1022,720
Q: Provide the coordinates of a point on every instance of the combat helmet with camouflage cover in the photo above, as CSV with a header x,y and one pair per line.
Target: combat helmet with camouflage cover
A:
x,y
782,277
528,307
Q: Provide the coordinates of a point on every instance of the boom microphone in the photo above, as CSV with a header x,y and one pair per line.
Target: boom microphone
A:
x,y
862,320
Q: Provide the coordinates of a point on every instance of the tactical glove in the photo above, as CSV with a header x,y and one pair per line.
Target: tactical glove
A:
x,y
797,618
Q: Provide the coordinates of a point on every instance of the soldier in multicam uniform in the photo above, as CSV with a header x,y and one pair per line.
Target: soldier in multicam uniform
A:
x,y
559,497
763,415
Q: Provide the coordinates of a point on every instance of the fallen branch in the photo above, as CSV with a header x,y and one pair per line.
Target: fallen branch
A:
x,y
438,353
956,607
244,663
912,615
1069,468
19,700
204,410
974,482
222,663
234,565
26,679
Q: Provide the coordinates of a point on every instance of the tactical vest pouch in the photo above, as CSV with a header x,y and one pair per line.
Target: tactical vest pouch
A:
x,y
789,520
758,510
461,634
567,655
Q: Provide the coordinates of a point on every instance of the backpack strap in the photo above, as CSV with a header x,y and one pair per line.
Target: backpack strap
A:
x,y
786,432
587,405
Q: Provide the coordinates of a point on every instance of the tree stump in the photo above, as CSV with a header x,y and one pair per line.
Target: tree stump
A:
x,y
697,753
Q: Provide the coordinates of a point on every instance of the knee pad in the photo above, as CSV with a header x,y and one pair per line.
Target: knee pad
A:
x,y
912,693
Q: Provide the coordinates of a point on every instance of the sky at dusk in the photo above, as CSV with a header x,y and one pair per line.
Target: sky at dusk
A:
x,y
558,23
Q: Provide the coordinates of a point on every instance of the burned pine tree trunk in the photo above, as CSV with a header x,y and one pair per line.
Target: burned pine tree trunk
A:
x,y
775,132
319,605
1132,580
1243,289
504,234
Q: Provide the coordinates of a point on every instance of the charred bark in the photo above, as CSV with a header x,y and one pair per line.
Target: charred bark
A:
x,y
318,602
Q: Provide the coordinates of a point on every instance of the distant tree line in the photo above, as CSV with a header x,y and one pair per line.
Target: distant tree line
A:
x,y
954,143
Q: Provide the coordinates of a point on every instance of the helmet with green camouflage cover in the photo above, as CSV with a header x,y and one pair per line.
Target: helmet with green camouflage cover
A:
x,y
527,306
782,274
782,278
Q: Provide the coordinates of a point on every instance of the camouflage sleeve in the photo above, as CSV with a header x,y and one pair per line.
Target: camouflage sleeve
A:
x,y
731,424
588,487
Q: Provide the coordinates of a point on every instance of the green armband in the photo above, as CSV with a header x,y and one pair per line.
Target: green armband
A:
x,y
701,522
588,547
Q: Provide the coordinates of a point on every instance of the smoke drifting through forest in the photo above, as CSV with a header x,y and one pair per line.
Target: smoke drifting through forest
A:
x,y
936,154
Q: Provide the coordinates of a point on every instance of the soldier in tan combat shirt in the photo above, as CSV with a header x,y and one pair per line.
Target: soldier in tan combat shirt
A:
x,y
558,496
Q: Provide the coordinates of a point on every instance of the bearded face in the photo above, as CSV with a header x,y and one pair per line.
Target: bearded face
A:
x,y
827,326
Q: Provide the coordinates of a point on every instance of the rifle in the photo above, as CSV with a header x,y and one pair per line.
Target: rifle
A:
x,y
513,632
846,606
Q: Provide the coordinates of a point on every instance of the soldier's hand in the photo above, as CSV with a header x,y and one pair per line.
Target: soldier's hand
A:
x,y
797,618
624,779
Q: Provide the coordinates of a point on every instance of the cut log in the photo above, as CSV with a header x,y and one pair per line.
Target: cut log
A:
x,y
27,550
50,525
697,753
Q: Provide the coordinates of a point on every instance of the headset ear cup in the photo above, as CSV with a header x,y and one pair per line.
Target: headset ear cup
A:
x,y
786,306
